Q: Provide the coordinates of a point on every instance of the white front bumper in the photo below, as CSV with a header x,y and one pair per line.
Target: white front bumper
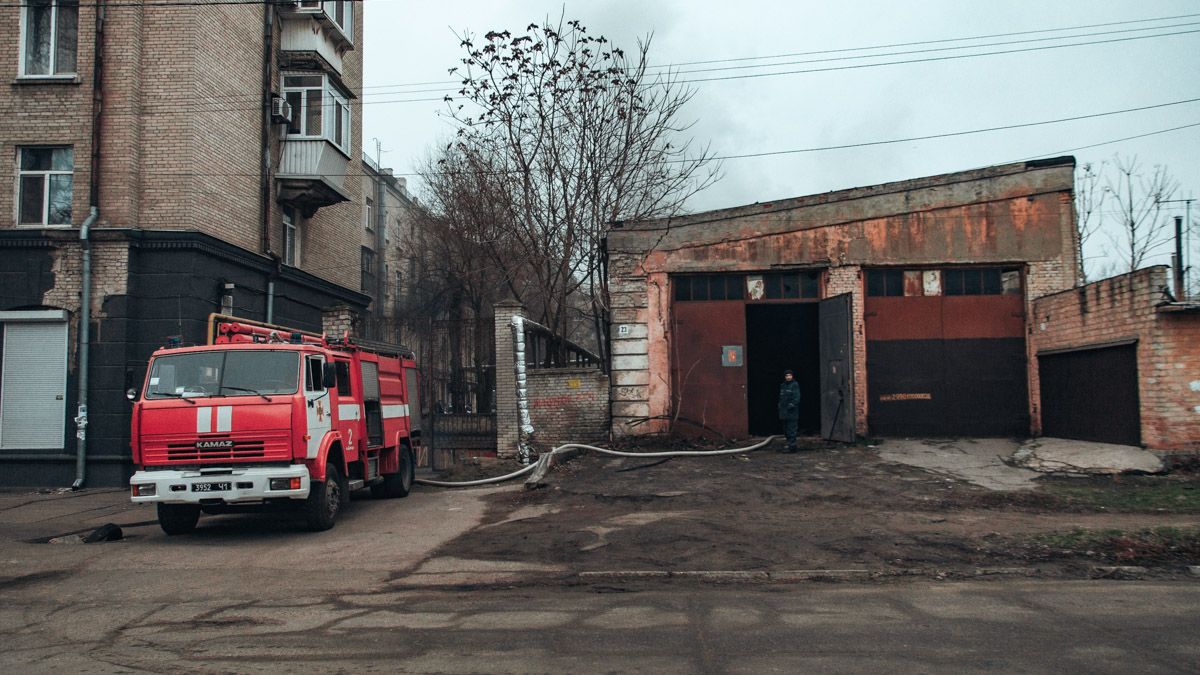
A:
x,y
246,485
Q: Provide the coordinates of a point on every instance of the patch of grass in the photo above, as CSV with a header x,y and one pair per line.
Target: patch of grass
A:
x,y
1160,544
1129,493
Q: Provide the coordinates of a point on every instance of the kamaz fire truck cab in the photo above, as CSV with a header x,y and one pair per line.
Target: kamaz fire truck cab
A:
x,y
267,416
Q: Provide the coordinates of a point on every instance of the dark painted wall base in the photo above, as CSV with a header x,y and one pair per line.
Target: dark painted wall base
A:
x,y
175,280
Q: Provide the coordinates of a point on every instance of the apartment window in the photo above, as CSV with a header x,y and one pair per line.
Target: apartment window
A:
x,y
51,37
368,270
318,110
44,186
369,214
291,237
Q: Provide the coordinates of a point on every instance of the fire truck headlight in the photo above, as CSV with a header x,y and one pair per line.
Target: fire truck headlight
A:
x,y
144,489
292,483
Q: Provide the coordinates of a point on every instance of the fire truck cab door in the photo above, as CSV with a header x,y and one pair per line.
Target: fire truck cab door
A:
x,y
318,405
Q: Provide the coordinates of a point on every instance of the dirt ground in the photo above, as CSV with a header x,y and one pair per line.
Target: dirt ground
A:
x,y
831,507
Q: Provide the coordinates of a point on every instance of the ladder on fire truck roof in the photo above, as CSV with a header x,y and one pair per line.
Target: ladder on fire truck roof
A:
x,y
219,324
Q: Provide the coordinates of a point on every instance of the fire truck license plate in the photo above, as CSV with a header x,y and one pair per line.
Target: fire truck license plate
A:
x,y
210,487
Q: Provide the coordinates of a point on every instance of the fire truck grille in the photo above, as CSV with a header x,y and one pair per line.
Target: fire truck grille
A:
x,y
263,446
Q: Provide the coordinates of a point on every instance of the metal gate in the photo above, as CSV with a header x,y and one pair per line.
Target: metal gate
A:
x,y
1091,395
455,435
837,368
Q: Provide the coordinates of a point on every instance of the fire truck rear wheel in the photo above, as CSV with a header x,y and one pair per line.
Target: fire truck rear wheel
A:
x,y
324,500
178,518
398,484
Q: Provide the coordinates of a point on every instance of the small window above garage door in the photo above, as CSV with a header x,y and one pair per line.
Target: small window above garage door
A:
x,y
947,281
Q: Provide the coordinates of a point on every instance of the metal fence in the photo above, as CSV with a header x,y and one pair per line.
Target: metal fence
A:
x,y
451,435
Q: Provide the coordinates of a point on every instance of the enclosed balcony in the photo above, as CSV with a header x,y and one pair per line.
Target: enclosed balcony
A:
x,y
311,174
317,31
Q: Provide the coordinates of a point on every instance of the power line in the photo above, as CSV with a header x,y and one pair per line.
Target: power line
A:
x,y
845,146
953,133
937,58
173,109
852,49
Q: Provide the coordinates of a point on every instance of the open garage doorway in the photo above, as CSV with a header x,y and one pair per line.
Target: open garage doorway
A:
x,y
779,337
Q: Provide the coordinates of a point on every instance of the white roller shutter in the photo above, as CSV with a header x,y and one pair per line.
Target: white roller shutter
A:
x,y
34,386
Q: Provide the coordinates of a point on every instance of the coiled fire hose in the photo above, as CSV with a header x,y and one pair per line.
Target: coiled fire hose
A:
x,y
545,461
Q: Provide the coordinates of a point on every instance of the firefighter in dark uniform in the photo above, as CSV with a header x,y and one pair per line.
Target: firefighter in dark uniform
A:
x,y
789,407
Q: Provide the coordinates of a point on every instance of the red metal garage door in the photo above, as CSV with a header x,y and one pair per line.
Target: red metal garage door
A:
x,y
707,394
946,353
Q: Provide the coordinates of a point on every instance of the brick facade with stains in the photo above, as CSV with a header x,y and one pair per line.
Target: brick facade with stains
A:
x,y
1134,309
1017,215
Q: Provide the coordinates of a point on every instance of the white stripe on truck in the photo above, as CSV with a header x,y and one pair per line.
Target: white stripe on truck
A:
x,y
348,411
203,420
393,411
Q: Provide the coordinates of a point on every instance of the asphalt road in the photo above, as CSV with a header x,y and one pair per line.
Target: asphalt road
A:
x,y
1093,627
258,594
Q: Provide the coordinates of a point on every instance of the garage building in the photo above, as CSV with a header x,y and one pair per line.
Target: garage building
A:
x,y
902,307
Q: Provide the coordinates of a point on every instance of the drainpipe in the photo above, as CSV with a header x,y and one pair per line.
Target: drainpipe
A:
x,y
85,282
85,321
264,186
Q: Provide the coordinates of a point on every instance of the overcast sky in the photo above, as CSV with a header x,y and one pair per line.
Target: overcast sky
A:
x,y
410,42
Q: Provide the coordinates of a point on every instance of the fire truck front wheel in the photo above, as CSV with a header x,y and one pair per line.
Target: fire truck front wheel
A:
x,y
324,500
178,518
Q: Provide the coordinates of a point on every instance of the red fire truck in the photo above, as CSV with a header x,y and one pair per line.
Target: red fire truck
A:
x,y
267,416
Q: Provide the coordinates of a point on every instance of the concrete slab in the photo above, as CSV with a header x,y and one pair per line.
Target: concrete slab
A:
x,y
1060,455
979,461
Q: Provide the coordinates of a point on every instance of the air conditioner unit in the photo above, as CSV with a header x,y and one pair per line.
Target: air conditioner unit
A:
x,y
281,111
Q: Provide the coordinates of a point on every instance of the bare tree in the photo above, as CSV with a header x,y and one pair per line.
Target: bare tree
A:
x,y
1138,198
561,133
1090,196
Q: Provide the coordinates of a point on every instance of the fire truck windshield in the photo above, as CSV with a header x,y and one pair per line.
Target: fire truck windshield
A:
x,y
224,373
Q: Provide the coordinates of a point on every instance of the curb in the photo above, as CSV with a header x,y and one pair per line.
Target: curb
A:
x,y
731,576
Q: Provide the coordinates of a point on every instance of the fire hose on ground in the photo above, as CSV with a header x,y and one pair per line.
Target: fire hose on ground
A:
x,y
545,461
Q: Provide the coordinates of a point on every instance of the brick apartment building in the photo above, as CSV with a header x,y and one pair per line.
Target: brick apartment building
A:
x,y
901,307
211,168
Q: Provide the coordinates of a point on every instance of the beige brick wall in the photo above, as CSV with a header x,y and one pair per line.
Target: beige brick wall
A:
x,y
507,414
180,131
44,112
568,405
1168,347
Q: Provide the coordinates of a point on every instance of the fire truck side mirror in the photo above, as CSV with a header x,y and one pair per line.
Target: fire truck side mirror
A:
x,y
329,376
131,394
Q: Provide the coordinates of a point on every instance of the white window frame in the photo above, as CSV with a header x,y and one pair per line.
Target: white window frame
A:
x,y
367,222
329,9
334,109
22,47
291,228
45,174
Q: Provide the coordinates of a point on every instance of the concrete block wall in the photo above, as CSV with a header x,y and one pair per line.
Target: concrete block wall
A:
x,y
631,335
1168,347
